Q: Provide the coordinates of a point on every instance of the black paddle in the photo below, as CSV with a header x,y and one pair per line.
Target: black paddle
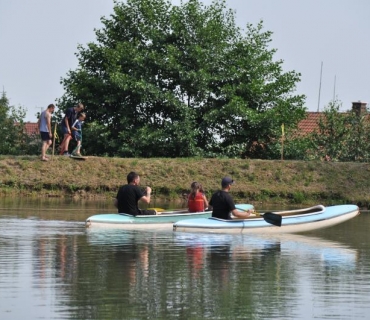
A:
x,y
269,217
272,218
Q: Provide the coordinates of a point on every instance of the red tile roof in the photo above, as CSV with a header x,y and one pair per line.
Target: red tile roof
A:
x,y
309,124
31,128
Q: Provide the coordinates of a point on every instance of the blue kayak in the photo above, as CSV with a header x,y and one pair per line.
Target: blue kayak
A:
x,y
291,221
163,220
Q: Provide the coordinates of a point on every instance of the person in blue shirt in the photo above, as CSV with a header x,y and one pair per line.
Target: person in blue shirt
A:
x,y
77,133
66,124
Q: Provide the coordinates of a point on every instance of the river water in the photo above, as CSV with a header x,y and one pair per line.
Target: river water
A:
x,y
52,267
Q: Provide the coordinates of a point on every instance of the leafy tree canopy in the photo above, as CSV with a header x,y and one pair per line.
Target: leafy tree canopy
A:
x,y
342,136
179,81
12,136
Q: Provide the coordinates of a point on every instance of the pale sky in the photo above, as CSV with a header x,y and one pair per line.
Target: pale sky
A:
x,y
39,38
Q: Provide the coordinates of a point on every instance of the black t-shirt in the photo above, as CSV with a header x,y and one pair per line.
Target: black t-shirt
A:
x,y
222,203
71,115
128,197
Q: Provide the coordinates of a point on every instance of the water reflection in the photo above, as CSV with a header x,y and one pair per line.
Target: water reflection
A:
x,y
185,268
56,268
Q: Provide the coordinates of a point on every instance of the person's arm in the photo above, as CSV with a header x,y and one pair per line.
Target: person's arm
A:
x,y
39,123
48,122
206,204
235,213
74,126
66,120
241,214
146,197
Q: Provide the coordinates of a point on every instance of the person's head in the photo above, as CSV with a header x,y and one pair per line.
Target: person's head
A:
x,y
133,178
226,182
195,187
51,108
79,107
82,116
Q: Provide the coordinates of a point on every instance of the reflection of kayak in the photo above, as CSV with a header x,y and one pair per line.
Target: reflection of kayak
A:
x,y
163,220
292,221
328,252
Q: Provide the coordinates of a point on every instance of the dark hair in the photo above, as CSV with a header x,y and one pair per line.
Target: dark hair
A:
x,y
131,176
80,105
50,106
195,186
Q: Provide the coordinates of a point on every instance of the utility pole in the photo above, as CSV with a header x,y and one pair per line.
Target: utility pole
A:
x,y
318,104
335,80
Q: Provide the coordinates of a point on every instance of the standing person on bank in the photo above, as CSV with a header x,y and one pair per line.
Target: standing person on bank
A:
x,y
223,204
77,133
197,200
67,122
130,194
44,125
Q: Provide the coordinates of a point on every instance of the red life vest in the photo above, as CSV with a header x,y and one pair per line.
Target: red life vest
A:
x,y
196,204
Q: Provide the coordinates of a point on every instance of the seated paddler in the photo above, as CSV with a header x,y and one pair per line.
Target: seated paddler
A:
x,y
129,195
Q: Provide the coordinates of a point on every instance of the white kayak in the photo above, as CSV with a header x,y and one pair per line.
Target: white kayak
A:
x,y
291,221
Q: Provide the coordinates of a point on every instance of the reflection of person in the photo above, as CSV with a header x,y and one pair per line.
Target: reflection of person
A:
x,y
130,194
223,204
46,134
195,255
197,200
68,120
77,133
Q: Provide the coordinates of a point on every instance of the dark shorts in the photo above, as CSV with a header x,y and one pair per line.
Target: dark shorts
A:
x,y
64,130
45,136
77,136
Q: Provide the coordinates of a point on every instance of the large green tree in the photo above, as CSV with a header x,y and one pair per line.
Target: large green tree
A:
x,y
172,81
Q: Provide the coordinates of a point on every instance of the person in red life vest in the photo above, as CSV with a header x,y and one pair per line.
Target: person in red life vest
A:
x,y
197,200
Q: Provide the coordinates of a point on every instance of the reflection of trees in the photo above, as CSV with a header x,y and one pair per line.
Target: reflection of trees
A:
x,y
128,274
122,274
163,280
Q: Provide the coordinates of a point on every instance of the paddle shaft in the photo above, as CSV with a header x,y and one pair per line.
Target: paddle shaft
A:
x,y
269,217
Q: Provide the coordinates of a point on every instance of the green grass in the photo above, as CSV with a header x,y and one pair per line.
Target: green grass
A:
x,y
296,182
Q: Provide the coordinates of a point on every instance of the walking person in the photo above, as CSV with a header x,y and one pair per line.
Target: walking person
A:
x,y
44,125
130,194
77,133
223,204
67,122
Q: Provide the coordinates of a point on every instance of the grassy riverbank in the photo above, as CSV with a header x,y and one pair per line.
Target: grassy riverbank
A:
x,y
257,181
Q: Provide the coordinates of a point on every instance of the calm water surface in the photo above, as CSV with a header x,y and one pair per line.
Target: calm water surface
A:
x,y
51,267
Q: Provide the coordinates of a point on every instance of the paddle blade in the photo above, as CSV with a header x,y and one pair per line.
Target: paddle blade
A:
x,y
272,218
